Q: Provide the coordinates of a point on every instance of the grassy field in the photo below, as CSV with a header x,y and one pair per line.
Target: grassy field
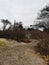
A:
x,y
19,53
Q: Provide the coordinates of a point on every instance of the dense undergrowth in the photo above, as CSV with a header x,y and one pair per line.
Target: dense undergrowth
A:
x,y
23,35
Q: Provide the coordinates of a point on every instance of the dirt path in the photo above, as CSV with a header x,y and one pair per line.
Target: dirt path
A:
x,y
20,54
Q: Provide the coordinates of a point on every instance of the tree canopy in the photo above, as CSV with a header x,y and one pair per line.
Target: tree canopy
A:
x,y
43,17
5,23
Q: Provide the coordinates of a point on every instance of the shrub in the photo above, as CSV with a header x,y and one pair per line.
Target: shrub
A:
x,y
20,35
43,47
3,42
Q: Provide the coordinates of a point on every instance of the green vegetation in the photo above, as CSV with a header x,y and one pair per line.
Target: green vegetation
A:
x,y
3,42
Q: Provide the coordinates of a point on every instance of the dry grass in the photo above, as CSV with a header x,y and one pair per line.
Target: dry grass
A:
x,y
43,48
19,53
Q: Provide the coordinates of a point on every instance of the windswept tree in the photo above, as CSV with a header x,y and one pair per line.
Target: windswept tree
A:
x,y
43,17
5,23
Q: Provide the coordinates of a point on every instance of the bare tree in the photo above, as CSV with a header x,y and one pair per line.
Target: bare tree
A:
x,y
5,23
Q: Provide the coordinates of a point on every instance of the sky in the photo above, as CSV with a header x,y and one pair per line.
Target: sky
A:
x,y
21,10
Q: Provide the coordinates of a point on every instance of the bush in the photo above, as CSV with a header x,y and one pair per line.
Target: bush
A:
x,y
43,47
20,35
3,42
15,35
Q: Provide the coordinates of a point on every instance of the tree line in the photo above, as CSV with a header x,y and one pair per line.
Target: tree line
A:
x,y
17,31
16,25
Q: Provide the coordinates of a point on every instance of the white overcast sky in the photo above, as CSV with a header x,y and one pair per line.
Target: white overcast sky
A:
x,y
21,10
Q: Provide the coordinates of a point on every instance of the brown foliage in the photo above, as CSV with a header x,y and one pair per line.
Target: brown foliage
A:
x,y
43,47
36,34
23,35
16,35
